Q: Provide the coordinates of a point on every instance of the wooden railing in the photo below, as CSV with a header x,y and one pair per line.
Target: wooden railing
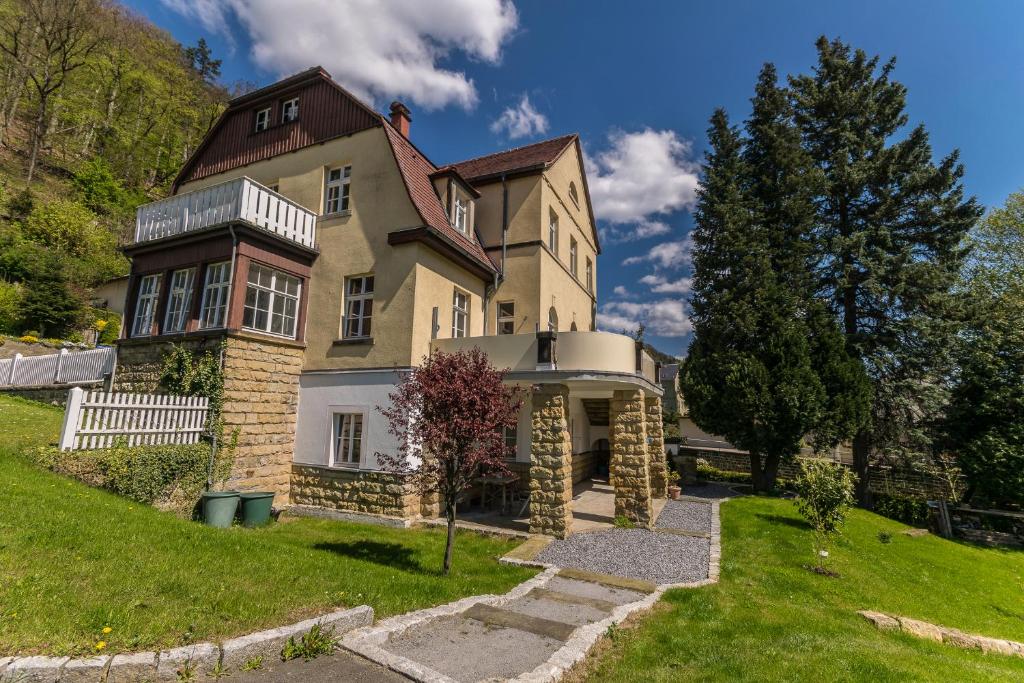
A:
x,y
241,199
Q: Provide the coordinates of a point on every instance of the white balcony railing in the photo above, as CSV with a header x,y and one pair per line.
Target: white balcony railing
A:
x,y
241,199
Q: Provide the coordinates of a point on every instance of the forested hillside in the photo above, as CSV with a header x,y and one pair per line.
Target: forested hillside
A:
x,y
98,110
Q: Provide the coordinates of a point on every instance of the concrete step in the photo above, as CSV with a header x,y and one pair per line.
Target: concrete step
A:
x,y
592,590
520,621
561,607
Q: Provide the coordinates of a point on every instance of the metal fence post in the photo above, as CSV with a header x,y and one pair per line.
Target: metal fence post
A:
x,y
71,414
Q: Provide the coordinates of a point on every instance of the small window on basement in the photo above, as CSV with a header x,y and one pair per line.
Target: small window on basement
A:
x,y
347,443
506,317
290,110
511,436
262,119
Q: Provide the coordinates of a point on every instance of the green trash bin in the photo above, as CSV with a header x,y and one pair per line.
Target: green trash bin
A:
x,y
219,508
256,508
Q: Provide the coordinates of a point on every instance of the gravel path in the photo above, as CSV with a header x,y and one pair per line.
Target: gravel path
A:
x,y
633,553
709,490
686,515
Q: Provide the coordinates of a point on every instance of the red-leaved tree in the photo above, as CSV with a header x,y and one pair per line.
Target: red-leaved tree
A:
x,y
449,416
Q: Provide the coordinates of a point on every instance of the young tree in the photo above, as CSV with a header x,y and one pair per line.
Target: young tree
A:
x,y
449,416
887,240
984,424
824,494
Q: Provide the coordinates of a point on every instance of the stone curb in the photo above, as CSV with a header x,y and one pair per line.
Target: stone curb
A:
x,y
943,634
200,658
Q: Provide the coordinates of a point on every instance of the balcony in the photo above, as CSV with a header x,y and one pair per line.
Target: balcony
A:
x,y
241,199
596,354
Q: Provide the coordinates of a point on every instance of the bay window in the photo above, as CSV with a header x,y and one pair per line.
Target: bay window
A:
x,y
271,301
179,300
145,306
214,308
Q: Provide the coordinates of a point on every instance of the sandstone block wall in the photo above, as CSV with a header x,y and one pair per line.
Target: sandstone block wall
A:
x,y
656,447
376,493
550,463
139,364
630,463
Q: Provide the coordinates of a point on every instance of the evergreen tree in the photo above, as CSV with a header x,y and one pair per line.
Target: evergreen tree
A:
x,y
200,58
49,305
887,242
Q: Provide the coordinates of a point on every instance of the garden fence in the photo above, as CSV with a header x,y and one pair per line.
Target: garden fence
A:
x,y
57,368
96,419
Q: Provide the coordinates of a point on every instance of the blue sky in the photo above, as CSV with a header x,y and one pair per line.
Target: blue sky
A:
x,y
638,81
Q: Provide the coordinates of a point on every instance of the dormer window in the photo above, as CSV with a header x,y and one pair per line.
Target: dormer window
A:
x,y
290,110
460,215
262,119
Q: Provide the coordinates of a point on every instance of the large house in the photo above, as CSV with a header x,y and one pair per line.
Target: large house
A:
x,y
323,254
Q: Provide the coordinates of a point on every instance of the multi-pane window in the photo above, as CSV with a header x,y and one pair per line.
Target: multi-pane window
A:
x,y
271,301
262,119
290,110
574,265
553,232
460,217
179,300
337,195
358,307
145,306
348,439
590,275
214,308
510,435
460,314
506,317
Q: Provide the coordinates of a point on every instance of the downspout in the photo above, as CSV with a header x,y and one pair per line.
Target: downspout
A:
x,y
231,281
504,227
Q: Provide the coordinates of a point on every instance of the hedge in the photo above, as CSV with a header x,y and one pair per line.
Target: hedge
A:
x,y
912,511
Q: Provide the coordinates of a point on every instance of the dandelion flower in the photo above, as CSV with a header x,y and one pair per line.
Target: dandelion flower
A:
x,y
107,629
100,645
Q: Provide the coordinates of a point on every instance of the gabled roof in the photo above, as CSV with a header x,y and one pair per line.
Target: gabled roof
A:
x,y
533,157
416,171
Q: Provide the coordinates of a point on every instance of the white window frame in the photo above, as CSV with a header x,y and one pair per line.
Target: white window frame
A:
x,y
213,311
338,415
460,313
364,322
509,318
290,110
590,275
553,232
262,119
338,192
274,294
179,300
574,257
146,304
460,214
511,433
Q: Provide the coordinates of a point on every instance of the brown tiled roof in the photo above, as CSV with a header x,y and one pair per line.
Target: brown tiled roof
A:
x,y
532,156
416,170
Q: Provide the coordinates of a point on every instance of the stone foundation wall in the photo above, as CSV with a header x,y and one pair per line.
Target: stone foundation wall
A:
x,y
375,493
139,363
56,395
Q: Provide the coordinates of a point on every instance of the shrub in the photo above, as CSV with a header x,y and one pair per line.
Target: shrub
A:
x,y
106,323
912,511
28,339
824,494
10,306
170,477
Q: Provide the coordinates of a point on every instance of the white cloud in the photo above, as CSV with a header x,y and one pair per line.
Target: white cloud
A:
x,y
662,285
621,291
667,255
662,318
379,49
642,175
520,121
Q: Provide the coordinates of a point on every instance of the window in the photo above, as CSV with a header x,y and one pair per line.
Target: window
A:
x,y
590,275
336,198
511,436
179,300
574,257
460,215
553,232
573,195
358,307
213,311
506,317
262,119
460,314
348,439
271,301
552,320
290,110
145,307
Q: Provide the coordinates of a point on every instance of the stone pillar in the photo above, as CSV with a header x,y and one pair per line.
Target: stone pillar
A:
x,y
550,462
632,477
656,447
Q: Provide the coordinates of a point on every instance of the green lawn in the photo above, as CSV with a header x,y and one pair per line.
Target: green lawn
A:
x,y
74,560
770,619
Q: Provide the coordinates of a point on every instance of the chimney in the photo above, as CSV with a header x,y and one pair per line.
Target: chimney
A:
x,y
400,117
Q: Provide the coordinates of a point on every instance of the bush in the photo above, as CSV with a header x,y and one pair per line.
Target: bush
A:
x,y
912,511
824,494
171,477
10,306
106,323
28,339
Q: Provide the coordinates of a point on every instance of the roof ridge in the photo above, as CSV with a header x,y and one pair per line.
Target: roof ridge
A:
x,y
513,149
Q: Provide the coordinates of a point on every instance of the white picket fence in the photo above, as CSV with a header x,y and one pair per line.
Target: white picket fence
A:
x,y
57,368
96,419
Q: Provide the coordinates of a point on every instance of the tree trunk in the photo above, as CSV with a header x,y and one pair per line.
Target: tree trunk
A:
x,y
861,466
450,544
763,473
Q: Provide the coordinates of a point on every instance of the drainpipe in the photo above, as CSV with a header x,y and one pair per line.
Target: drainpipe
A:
x,y
504,224
231,280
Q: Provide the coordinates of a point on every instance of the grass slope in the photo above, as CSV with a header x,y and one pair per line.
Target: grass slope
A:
x,y
74,560
770,619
